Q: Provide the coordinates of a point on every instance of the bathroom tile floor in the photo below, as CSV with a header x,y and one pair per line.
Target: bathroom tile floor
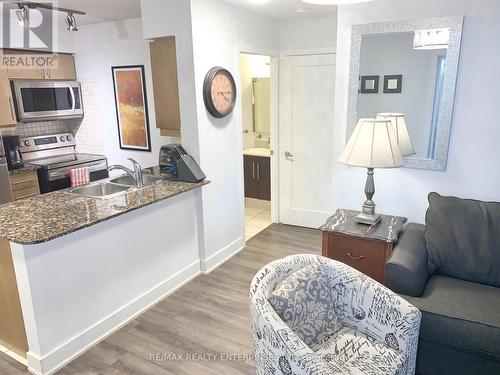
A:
x,y
257,217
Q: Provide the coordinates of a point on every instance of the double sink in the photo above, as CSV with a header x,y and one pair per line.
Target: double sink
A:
x,y
114,187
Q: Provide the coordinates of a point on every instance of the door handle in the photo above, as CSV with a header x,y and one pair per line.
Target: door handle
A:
x,y
354,257
245,131
288,154
72,93
258,171
253,170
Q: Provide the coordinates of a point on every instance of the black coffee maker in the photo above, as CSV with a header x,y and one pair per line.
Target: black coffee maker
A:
x,y
11,144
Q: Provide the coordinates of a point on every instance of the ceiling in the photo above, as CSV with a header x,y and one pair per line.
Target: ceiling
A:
x,y
281,9
112,10
103,10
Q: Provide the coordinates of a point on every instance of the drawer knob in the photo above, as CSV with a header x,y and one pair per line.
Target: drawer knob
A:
x,y
354,257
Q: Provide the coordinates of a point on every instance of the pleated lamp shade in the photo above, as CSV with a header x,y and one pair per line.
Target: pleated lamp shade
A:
x,y
373,144
402,135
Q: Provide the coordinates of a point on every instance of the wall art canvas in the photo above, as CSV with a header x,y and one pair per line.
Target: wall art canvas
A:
x,y
131,107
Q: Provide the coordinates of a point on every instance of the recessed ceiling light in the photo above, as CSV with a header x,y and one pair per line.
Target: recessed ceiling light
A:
x,y
302,10
335,2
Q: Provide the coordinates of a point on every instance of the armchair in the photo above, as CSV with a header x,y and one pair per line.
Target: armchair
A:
x,y
369,329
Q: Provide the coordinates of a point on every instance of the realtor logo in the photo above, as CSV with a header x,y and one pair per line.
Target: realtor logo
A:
x,y
25,26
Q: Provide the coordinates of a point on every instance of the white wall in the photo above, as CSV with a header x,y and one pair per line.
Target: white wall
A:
x,y
210,33
473,161
305,34
98,48
220,33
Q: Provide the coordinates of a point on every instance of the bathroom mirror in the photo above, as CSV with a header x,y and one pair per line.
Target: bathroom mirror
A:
x,y
261,105
410,68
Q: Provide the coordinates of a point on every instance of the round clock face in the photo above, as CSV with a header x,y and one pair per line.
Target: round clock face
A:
x,y
219,92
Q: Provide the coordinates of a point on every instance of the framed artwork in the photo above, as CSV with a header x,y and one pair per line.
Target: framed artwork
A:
x,y
393,84
131,107
369,85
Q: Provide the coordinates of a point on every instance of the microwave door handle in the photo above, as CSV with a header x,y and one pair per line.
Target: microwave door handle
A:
x,y
72,92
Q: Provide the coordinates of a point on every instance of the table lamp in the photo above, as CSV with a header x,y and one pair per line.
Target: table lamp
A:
x,y
373,144
402,135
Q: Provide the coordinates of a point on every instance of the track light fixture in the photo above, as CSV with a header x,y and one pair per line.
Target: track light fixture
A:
x,y
71,22
22,14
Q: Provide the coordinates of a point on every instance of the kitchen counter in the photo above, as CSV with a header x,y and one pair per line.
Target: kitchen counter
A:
x,y
46,217
265,152
26,168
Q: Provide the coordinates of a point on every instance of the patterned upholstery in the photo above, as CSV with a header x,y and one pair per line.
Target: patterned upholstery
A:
x,y
376,330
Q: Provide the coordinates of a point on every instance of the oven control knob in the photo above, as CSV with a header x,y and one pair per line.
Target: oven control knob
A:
x,y
68,138
62,139
27,143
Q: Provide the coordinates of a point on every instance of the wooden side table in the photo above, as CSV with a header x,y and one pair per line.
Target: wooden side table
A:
x,y
364,247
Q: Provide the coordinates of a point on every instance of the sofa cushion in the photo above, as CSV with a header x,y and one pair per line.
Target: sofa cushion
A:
x,y
304,302
460,314
463,239
358,353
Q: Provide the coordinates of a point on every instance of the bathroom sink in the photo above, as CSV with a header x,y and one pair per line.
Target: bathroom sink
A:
x,y
102,190
129,181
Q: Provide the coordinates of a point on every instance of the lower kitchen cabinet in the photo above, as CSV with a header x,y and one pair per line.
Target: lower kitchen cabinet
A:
x,y
24,184
257,177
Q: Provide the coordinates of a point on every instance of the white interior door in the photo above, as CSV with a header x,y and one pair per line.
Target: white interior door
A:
x,y
307,96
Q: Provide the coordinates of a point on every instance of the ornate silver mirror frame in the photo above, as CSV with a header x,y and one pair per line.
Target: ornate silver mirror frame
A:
x,y
454,23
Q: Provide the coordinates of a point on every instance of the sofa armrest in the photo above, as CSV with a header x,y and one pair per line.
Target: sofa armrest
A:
x,y
406,271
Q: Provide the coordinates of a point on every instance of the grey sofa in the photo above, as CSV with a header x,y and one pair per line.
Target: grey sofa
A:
x,y
450,270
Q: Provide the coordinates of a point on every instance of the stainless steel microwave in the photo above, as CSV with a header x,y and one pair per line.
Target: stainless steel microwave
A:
x,y
47,100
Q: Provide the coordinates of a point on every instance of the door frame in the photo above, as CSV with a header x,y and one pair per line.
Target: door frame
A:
x,y
274,130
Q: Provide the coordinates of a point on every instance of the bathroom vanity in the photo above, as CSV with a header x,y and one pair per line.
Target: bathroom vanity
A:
x,y
257,170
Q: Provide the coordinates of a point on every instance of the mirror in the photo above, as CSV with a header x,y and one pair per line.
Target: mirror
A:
x,y
261,105
407,70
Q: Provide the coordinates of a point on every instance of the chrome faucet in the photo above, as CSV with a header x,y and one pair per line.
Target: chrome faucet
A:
x,y
136,174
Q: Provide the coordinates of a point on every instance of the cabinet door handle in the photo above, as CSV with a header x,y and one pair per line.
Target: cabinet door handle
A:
x,y
11,106
20,182
253,170
354,257
258,170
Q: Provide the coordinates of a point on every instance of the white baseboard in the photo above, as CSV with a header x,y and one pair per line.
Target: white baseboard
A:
x,y
215,260
76,346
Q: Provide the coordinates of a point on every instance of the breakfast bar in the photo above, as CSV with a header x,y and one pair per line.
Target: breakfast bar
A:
x,y
84,267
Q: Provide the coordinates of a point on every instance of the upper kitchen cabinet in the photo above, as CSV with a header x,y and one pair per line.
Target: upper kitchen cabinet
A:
x,y
7,112
165,84
63,69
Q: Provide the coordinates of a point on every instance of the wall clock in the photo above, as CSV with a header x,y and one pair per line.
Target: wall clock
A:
x,y
219,92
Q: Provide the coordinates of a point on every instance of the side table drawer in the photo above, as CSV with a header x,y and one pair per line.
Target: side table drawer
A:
x,y
366,255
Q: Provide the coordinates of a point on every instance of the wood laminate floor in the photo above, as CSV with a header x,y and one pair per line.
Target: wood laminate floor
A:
x,y
207,317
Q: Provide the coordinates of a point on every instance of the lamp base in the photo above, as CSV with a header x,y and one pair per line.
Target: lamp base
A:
x,y
368,215
368,219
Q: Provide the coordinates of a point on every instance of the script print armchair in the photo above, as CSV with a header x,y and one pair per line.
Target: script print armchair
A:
x,y
315,316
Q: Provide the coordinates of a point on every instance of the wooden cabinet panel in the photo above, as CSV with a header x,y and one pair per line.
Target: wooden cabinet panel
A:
x,y
7,111
65,69
165,85
24,184
366,255
251,182
257,172
12,331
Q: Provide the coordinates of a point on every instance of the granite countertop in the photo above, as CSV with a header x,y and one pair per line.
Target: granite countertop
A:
x,y
46,217
343,222
26,168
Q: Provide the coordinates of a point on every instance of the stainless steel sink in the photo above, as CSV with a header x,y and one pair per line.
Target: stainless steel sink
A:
x,y
101,190
129,181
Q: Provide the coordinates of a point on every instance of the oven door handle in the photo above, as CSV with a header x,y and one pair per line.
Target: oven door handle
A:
x,y
64,172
